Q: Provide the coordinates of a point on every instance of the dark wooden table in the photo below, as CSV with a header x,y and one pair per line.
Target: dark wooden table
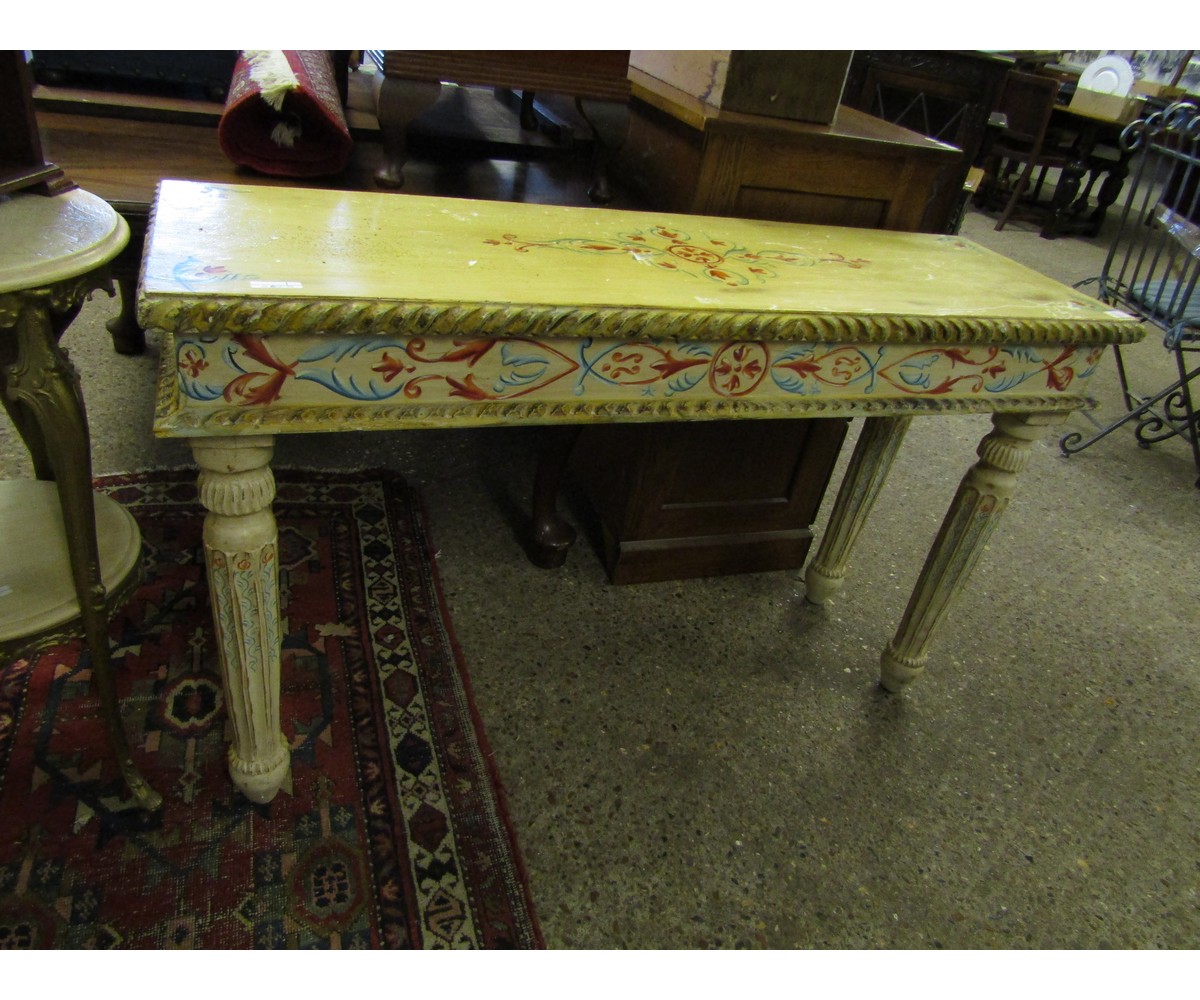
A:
x,y
1072,210
596,79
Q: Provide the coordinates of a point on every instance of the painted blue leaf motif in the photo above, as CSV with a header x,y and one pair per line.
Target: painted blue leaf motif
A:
x,y
916,373
1007,382
375,389
229,354
789,381
521,368
686,380
198,391
522,373
915,376
340,348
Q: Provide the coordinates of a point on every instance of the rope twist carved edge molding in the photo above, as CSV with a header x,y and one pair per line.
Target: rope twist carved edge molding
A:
x,y
414,319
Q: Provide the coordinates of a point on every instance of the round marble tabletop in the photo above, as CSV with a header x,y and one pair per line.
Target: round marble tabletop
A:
x,y
50,238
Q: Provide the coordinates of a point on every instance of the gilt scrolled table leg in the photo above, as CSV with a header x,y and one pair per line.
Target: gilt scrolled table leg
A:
x,y
42,393
982,496
240,539
878,443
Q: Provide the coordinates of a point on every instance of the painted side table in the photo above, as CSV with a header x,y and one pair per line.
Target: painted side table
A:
x,y
289,311
69,554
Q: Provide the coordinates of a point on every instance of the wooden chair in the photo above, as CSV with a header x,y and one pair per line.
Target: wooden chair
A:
x,y
1152,269
1023,145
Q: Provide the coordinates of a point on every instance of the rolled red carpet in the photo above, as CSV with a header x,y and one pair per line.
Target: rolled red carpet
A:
x,y
284,116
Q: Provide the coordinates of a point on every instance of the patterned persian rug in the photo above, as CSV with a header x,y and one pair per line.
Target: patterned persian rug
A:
x,y
392,830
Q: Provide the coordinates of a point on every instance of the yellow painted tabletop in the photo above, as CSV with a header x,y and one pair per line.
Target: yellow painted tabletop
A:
x,y
214,247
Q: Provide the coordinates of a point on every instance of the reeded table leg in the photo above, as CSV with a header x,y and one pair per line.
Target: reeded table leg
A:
x,y
981,498
237,487
865,475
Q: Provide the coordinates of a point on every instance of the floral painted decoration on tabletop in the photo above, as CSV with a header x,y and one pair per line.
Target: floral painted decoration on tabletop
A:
x,y
674,250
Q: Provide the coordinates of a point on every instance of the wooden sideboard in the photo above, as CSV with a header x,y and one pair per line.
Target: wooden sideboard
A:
x,y
693,500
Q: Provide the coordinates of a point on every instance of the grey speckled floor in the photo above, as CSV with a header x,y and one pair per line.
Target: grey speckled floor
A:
x,y
711,764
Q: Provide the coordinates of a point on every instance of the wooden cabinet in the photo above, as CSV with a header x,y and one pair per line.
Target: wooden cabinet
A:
x,y
686,500
690,500
946,95
682,155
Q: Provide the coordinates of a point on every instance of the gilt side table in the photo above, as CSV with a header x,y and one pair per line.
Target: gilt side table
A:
x,y
66,563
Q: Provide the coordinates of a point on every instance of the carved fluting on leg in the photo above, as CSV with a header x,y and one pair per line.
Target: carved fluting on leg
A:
x,y
877,445
982,496
240,539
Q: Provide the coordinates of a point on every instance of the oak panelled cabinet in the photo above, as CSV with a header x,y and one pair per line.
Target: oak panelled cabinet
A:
x,y
688,500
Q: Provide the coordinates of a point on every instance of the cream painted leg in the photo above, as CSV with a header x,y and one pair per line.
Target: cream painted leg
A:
x,y
865,475
236,487
981,498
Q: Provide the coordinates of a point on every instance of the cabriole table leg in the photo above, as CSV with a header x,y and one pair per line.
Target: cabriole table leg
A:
x,y
981,498
236,488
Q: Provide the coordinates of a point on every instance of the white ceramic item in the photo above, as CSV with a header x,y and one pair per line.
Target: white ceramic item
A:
x,y
1108,75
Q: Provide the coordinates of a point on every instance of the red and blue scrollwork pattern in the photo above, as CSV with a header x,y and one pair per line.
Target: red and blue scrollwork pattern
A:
x,y
248,370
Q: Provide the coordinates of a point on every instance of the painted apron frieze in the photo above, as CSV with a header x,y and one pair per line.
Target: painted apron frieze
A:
x,y
248,370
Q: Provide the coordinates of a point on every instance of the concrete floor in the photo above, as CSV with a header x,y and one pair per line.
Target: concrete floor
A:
x,y
712,764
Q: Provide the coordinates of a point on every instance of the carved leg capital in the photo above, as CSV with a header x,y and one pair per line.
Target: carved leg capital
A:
x,y
236,488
